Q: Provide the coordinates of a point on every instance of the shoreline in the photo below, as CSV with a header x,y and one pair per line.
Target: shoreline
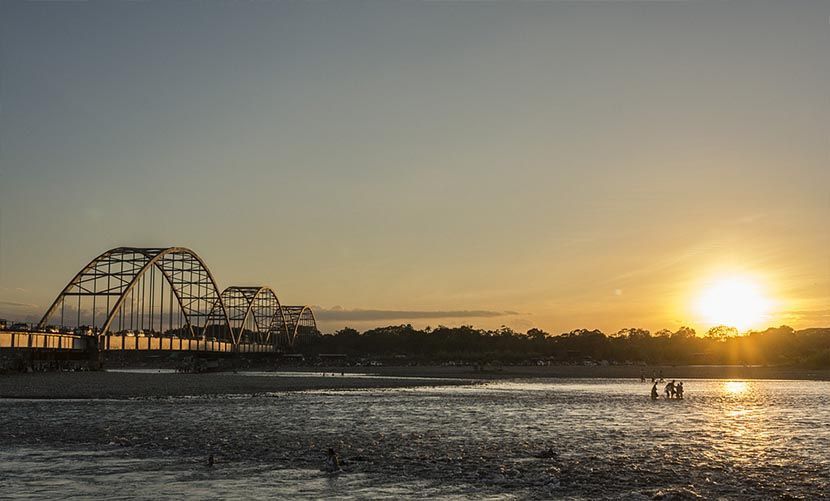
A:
x,y
130,385
144,383
594,371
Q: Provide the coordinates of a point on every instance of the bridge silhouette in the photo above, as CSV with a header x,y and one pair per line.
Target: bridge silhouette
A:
x,y
153,298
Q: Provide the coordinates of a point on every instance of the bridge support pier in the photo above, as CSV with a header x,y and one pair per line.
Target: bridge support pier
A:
x,y
93,351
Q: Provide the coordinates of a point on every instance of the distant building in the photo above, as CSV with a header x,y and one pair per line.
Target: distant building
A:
x,y
3,324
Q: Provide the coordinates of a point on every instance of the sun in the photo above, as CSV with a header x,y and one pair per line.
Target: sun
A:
x,y
733,301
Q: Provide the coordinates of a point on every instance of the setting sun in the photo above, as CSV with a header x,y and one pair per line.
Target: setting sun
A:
x,y
735,301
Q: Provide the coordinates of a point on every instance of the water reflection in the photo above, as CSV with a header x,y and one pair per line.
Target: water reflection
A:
x,y
529,439
735,387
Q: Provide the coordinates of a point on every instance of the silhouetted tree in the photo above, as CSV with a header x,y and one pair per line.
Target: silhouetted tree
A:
x,y
348,332
779,345
536,334
721,332
684,333
663,333
633,334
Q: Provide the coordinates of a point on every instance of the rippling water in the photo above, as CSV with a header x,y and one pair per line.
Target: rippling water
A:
x,y
606,438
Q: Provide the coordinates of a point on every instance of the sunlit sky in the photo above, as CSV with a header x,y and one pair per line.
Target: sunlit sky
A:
x,y
549,164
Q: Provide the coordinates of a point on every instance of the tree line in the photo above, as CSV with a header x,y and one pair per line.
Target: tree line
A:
x,y
719,345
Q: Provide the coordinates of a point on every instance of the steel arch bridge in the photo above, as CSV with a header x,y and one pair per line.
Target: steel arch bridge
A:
x,y
300,320
170,292
254,313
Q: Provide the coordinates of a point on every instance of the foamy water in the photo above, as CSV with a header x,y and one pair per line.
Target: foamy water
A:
x,y
606,438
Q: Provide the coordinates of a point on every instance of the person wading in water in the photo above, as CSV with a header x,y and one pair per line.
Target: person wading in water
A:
x,y
332,462
669,389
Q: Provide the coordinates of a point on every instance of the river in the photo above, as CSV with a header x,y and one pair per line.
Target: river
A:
x,y
538,438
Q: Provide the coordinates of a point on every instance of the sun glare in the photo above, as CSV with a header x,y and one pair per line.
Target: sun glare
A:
x,y
734,387
736,302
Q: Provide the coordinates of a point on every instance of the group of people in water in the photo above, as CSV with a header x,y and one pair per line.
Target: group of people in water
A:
x,y
672,390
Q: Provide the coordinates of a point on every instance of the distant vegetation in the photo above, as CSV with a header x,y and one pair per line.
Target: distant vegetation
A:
x,y
720,345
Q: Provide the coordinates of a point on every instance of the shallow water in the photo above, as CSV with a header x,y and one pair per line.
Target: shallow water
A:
x,y
297,374
754,439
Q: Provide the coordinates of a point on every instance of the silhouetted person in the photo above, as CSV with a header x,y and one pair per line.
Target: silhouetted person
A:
x,y
654,392
211,461
548,453
679,389
332,462
669,390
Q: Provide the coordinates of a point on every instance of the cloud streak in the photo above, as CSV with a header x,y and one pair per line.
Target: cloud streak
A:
x,y
340,314
17,305
809,315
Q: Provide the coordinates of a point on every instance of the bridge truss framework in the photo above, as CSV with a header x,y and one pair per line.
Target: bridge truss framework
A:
x,y
170,292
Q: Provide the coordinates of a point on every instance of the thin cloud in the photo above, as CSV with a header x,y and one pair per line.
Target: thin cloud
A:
x,y
340,314
809,315
17,305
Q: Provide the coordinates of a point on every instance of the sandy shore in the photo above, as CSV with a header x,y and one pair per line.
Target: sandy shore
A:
x,y
130,385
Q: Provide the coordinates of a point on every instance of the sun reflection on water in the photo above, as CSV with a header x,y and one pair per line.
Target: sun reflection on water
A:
x,y
735,387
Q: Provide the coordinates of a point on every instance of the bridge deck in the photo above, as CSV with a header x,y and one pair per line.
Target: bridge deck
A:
x,y
42,341
72,342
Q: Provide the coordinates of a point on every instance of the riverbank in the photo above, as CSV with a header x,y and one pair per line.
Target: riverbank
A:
x,y
120,385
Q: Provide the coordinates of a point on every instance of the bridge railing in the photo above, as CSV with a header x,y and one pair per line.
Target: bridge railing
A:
x,y
115,342
41,341
130,343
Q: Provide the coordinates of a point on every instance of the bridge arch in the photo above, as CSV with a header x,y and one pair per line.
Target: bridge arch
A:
x,y
255,312
300,320
128,274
